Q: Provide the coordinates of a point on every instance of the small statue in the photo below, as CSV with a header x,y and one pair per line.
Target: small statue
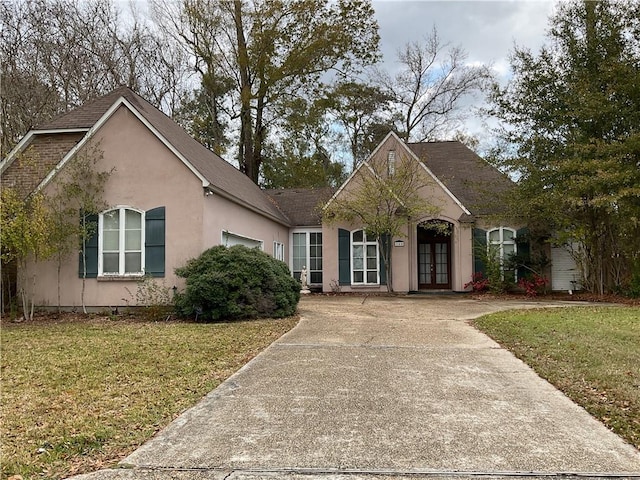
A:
x,y
303,281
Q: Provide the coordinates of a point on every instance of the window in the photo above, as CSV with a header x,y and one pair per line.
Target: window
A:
x,y
503,240
120,242
391,162
278,251
365,259
307,253
104,244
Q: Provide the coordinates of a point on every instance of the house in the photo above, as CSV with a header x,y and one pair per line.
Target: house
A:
x,y
170,198
461,184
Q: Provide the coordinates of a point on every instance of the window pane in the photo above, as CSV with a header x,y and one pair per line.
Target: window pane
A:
x,y
111,240
372,250
299,251
358,236
508,249
316,239
316,277
132,240
372,264
132,219
299,239
358,260
358,277
507,235
372,277
132,262
494,235
110,263
111,220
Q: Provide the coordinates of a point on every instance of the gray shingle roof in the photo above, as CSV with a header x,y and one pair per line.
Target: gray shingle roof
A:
x,y
471,179
302,205
222,175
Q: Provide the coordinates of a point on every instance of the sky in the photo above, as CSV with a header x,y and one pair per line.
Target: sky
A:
x,y
486,30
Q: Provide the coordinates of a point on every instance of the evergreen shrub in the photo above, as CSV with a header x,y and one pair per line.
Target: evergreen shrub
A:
x,y
236,283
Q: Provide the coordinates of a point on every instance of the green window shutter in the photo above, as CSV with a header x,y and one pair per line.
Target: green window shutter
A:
x,y
154,242
90,249
386,241
344,257
479,249
524,251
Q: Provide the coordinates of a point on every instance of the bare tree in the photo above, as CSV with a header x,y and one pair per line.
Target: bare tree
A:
x,y
427,92
57,54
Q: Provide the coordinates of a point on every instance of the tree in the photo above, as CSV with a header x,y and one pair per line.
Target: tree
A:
x,y
79,190
301,158
273,51
57,54
362,111
571,135
384,200
427,92
25,237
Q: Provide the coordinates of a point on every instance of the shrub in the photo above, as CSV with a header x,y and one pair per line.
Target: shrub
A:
x,y
478,283
235,283
153,297
534,284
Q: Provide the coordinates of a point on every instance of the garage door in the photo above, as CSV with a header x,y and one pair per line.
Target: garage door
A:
x,y
230,239
564,272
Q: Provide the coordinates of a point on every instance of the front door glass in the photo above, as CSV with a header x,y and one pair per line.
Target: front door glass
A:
x,y
434,259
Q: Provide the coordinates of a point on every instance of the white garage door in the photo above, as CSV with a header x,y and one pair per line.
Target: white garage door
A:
x,y
230,239
564,273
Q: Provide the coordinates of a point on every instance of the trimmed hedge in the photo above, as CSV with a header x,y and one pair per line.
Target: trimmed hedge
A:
x,y
236,283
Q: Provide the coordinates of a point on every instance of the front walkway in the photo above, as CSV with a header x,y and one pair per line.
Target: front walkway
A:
x,y
385,388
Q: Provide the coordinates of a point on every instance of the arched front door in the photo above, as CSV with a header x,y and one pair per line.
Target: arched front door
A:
x,y
434,255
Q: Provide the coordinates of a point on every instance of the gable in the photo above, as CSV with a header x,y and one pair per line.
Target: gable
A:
x,y
433,189
216,175
32,162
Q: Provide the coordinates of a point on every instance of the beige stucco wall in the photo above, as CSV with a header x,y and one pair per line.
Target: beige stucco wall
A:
x,y
147,175
405,258
221,214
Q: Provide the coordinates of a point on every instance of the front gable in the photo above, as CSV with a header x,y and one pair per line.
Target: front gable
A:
x,y
386,157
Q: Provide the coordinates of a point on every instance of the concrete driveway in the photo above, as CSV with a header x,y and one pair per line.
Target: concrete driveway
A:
x,y
385,388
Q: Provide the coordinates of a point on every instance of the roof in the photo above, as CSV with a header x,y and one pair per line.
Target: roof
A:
x,y
470,178
302,205
223,178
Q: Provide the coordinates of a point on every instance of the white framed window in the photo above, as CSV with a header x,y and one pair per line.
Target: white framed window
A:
x,y
121,242
503,241
278,251
306,252
365,259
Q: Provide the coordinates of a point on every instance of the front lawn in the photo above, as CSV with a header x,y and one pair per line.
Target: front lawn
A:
x,y
592,354
80,394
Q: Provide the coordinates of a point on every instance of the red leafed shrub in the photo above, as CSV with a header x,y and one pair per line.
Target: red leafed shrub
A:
x,y
533,285
478,282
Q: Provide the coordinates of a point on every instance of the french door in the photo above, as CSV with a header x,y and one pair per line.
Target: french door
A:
x,y
434,261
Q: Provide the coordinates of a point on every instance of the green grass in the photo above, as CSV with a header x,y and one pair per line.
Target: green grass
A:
x,y
592,354
78,395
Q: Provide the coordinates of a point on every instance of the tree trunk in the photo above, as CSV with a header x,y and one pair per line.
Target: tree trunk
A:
x,y
245,144
59,267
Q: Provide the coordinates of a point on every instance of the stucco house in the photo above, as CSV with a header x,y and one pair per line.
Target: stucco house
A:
x,y
170,198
